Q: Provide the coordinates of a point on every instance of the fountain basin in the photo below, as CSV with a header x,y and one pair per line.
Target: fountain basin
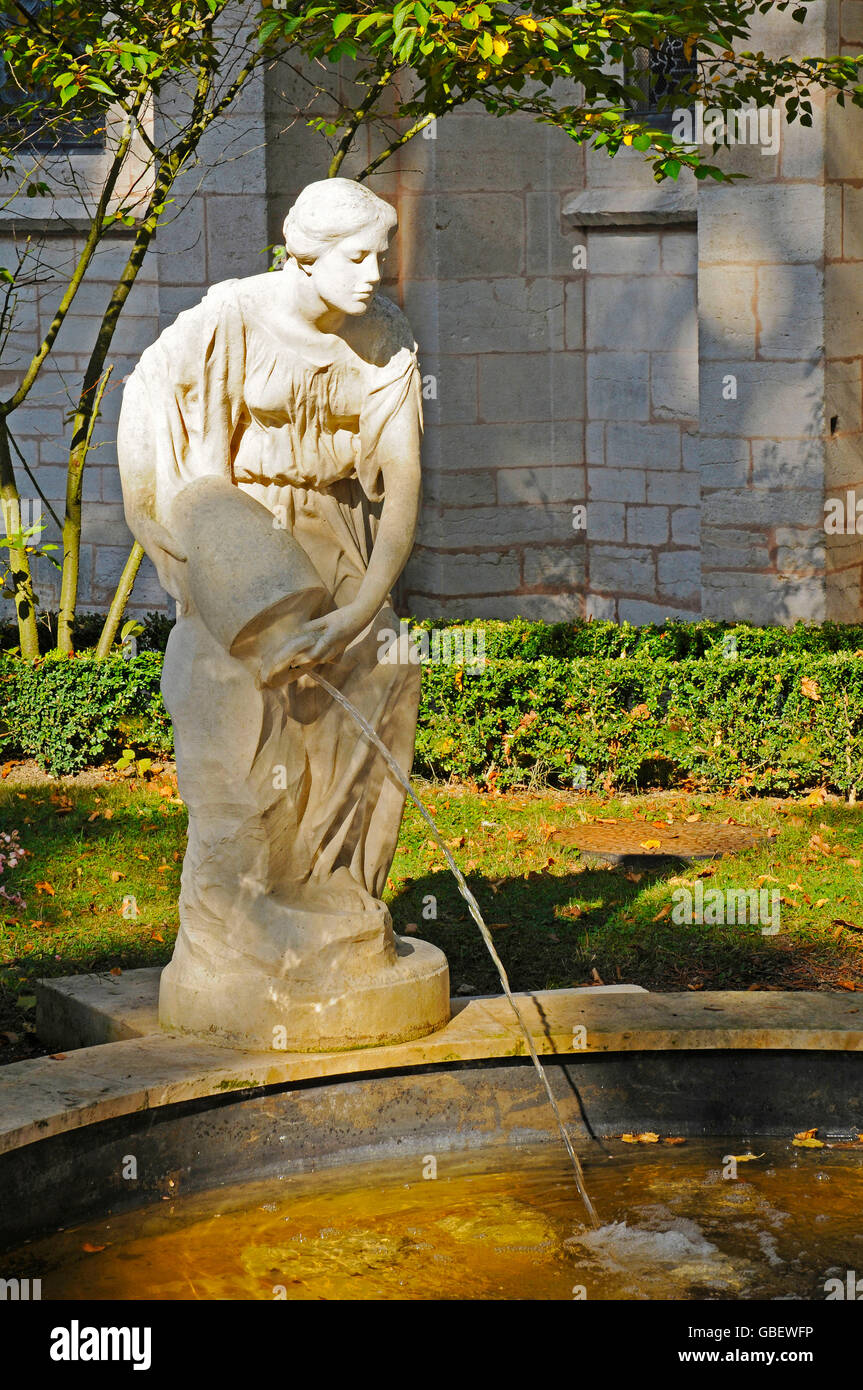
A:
x,y
197,1116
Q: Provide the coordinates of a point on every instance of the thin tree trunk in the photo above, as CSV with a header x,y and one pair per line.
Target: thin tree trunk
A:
x,y
119,601
19,560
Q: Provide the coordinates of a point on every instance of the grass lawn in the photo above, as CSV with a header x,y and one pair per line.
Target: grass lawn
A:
x,y
102,876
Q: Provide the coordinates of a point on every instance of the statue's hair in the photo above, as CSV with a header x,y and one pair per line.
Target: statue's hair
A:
x,y
329,210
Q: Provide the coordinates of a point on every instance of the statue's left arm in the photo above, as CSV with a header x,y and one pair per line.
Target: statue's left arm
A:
x,y
389,470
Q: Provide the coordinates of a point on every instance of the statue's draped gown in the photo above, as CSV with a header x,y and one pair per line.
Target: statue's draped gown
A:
x,y
293,816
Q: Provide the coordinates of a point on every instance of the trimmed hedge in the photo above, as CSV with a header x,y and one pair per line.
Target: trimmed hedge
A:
x,y
69,713
522,640
713,724
769,724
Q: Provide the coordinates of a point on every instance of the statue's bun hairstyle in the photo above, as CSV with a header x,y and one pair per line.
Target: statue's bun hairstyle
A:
x,y
329,210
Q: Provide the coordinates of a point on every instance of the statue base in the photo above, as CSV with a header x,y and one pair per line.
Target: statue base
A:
x,y
406,999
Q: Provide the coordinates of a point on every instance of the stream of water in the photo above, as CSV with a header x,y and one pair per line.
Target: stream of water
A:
x,y
473,907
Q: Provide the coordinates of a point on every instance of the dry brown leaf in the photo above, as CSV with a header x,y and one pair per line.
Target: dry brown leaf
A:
x,y
647,1138
810,688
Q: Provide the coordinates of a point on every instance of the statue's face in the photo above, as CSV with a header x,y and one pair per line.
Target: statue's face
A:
x,y
347,275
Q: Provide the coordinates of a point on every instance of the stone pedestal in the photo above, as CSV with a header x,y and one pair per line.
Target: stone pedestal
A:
x,y
403,1000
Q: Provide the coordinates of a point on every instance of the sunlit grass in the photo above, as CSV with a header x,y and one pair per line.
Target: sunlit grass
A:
x,y
102,876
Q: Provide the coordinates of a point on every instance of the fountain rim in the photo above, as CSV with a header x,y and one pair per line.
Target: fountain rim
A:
x,y
143,1069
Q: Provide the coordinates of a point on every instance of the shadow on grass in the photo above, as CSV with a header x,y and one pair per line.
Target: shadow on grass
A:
x,y
615,933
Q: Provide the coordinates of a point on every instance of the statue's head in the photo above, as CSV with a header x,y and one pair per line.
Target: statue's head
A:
x,y
337,233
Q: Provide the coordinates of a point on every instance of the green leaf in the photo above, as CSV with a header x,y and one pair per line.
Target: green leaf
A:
x,y
341,22
97,85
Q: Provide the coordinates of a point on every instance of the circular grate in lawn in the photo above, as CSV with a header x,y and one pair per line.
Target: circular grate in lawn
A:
x,y
644,840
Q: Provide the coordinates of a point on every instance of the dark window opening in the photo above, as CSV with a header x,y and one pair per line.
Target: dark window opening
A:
x,y
664,76
84,132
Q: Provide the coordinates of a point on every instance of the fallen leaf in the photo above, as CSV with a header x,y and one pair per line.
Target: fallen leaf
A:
x,y
93,1249
807,1143
647,1138
841,922
45,888
662,913
116,875
810,688
650,844
745,1158
596,977
674,1139
58,1056
115,971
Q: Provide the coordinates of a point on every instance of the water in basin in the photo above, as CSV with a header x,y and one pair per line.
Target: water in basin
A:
x,y
493,1224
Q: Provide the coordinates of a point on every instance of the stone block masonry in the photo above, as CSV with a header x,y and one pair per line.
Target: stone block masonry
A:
x,y
638,397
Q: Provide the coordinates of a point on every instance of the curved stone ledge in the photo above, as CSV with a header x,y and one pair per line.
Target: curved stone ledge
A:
x,y
148,1069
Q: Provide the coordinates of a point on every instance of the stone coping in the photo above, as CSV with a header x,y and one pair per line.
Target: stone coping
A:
x,y
48,1096
633,207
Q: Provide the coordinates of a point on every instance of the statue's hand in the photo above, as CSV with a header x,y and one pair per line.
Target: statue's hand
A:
x,y
322,639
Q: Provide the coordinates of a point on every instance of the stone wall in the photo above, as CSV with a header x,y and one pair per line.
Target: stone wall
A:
x,y
637,398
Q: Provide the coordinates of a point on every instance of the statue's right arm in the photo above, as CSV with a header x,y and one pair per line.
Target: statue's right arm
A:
x,y
179,410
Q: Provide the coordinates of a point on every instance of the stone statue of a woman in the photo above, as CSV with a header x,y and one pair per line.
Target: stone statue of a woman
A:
x,y
269,451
